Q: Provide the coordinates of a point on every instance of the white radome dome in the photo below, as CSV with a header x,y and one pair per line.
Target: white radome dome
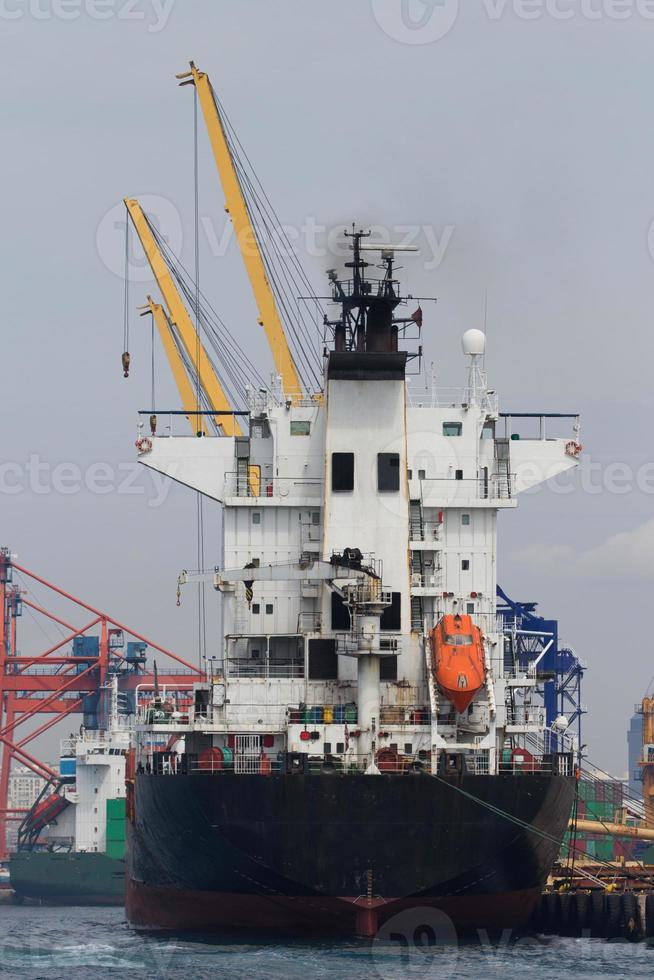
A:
x,y
474,342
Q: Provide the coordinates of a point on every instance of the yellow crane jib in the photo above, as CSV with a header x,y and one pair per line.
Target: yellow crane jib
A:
x,y
178,314
187,392
246,235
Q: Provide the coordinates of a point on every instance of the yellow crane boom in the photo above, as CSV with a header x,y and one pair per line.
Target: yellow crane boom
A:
x,y
178,314
186,390
246,236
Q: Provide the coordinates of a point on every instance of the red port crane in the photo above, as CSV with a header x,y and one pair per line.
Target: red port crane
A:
x,y
68,677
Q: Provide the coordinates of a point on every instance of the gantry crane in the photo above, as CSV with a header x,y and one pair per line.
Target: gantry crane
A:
x,y
178,315
68,678
246,234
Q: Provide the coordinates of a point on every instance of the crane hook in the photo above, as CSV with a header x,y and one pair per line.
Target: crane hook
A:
x,y
125,361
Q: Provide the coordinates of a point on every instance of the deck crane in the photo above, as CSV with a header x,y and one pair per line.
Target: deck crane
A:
x,y
167,335
204,369
246,235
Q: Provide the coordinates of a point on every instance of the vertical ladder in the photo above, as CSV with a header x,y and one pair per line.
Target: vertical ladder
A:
x,y
416,520
417,533
503,467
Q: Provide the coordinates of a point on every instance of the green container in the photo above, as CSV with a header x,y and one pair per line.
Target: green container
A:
x,y
604,850
115,830
116,809
115,849
351,713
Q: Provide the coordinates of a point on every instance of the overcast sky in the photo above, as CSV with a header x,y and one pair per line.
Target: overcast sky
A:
x,y
515,141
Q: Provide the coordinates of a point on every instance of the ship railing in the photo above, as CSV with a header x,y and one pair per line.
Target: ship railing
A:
x,y
241,667
274,487
518,671
174,423
309,622
265,764
525,762
436,396
349,643
346,713
404,715
260,402
449,489
527,715
430,532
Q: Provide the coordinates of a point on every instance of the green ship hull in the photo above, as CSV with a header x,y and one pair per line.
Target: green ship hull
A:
x,y
73,878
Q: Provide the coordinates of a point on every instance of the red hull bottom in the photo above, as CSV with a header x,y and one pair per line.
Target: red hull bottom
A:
x,y
179,910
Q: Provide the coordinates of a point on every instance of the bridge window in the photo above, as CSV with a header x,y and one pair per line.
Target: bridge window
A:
x,y
388,472
452,428
269,609
300,428
323,660
465,519
256,608
256,518
391,618
342,472
465,565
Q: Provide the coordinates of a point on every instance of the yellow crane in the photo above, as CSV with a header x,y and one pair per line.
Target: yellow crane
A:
x,y
194,348
187,392
246,235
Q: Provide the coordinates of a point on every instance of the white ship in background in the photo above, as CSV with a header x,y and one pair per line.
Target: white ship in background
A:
x,y
71,845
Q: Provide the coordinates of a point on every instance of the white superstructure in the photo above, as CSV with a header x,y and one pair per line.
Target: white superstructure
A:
x,y
93,765
412,479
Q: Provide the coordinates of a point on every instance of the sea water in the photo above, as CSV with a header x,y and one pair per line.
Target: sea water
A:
x,y
71,943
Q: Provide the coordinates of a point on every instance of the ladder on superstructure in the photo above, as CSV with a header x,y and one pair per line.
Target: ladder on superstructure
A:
x,y
417,533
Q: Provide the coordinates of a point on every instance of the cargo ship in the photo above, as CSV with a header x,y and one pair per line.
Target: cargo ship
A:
x,y
71,845
369,740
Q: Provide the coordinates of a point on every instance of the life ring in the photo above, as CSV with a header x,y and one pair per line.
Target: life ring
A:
x,y
573,448
144,445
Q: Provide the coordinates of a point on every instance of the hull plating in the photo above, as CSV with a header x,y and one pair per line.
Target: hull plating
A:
x,y
307,853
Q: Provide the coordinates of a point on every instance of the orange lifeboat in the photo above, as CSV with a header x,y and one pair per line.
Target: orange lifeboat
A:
x,y
458,662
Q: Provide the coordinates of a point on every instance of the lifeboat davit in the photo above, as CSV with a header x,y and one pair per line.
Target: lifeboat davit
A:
x,y
458,661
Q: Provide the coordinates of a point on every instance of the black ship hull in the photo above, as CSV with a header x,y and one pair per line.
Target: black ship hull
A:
x,y
340,853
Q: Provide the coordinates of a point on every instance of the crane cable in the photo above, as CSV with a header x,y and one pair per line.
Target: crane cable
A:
x,y
284,271
125,355
202,610
232,363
